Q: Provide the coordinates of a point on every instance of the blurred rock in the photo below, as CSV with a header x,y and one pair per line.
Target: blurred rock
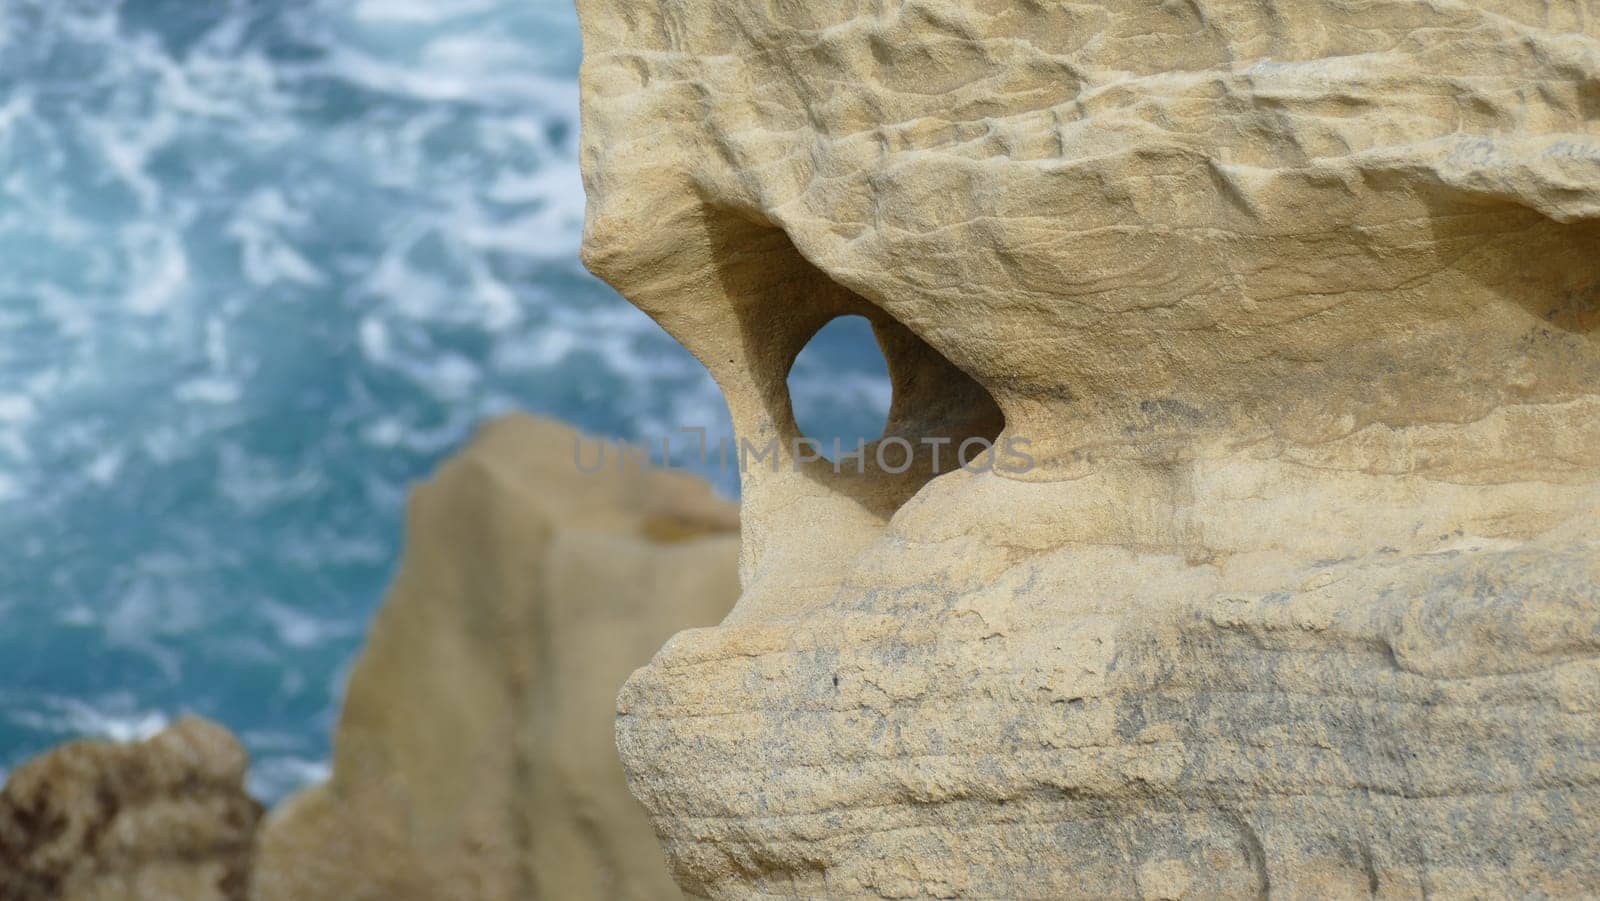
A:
x,y
166,818
475,758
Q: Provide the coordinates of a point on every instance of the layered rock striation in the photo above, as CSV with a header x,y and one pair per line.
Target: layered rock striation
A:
x,y
1295,305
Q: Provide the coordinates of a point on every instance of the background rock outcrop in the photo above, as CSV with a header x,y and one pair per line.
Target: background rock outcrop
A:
x,y
474,758
1296,304
141,821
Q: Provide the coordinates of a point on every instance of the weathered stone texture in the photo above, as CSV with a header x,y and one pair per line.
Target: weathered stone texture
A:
x,y
1298,303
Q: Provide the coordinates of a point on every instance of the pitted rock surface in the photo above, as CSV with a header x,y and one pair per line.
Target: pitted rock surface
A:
x,y
1295,307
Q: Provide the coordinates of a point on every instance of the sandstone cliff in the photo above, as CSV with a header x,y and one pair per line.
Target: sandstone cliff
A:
x,y
474,757
1297,303
146,821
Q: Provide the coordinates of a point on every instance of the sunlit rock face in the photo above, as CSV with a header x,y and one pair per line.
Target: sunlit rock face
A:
x,y
1296,306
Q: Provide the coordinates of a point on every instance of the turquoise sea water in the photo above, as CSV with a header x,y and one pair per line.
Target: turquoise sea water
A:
x,y
263,263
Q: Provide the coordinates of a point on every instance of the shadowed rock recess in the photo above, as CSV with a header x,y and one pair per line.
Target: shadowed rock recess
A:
x,y
1298,305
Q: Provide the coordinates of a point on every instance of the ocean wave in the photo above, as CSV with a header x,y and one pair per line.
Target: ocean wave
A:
x,y
266,264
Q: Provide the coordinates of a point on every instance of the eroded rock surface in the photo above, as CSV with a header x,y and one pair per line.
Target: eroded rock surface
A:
x,y
143,821
474,757
1298,305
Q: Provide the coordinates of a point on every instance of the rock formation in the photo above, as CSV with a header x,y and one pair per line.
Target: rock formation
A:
x,y
474,757
146,821
1296,305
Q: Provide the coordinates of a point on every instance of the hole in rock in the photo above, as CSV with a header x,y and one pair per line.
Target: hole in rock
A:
x,y
817,353
839,387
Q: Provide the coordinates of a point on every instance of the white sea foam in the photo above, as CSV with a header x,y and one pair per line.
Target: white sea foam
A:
x,y
103,469
209,390
11,488
418,12
298,629
15,408
265,266
114,717
160,269
276,776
